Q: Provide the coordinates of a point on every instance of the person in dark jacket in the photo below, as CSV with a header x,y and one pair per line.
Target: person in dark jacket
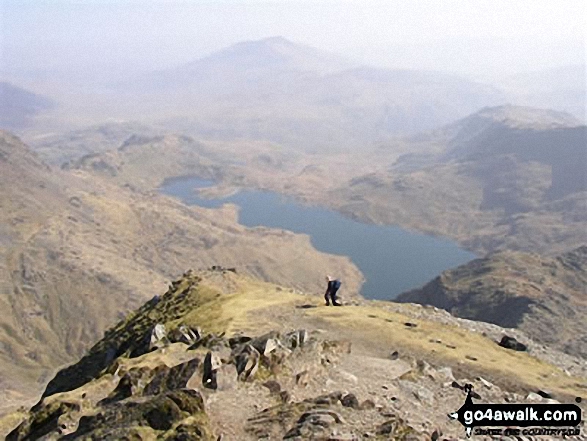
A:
x,y
332,288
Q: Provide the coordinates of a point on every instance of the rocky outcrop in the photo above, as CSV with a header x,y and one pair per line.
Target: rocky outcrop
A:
x,y
177,414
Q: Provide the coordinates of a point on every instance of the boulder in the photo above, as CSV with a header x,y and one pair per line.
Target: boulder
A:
x,y
303,378
158,337
211,365
185,334
295,339
247,362
130,384
156,416
238,340
350,400
168,379
511,343
42,422
265,344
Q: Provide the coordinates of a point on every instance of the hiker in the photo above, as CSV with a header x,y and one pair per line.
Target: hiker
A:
x,y
333,286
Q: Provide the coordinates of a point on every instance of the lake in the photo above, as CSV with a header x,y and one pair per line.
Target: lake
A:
x,y
393,260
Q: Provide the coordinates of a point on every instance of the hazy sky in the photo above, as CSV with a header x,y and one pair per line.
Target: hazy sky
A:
x,y
468,36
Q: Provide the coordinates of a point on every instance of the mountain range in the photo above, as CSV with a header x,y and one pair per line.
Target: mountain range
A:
x,y
503,178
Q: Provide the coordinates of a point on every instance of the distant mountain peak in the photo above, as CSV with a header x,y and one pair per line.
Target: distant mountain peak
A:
x,y
270,53
527,117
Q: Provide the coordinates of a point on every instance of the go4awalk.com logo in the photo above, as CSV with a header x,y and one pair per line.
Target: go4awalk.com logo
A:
x,y
518,419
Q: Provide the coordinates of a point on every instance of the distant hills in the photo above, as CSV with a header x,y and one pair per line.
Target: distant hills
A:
x,y
58,148
504,178
279,91
18,106
544,297
295,95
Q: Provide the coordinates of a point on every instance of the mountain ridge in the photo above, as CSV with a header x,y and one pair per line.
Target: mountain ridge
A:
x,y
222,348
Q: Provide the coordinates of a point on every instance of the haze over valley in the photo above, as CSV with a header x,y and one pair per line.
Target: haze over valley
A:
x,y
438,152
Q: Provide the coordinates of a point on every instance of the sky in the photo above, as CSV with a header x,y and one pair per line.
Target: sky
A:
x,y
470,37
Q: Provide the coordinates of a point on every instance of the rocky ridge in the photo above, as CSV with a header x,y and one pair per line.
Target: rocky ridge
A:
x,y
215,358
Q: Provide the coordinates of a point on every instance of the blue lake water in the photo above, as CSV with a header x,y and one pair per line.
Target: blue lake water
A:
x,y
393,260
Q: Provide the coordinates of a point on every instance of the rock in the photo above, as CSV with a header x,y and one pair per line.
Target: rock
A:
x,y
456,385
110,356
511,343
226,377
436,435
238,340
273,386
265,344
211,341
533,397
303,378
485,383
42,422
168,379
247,362
445,374
295,339
314,424
285,396
328,399
394,428
367,405
336,347
184,334
425,396
160,413
211,365
158,337
350,400
131,383
425,369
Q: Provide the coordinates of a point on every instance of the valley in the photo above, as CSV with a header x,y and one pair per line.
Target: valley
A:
x,y
453,209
